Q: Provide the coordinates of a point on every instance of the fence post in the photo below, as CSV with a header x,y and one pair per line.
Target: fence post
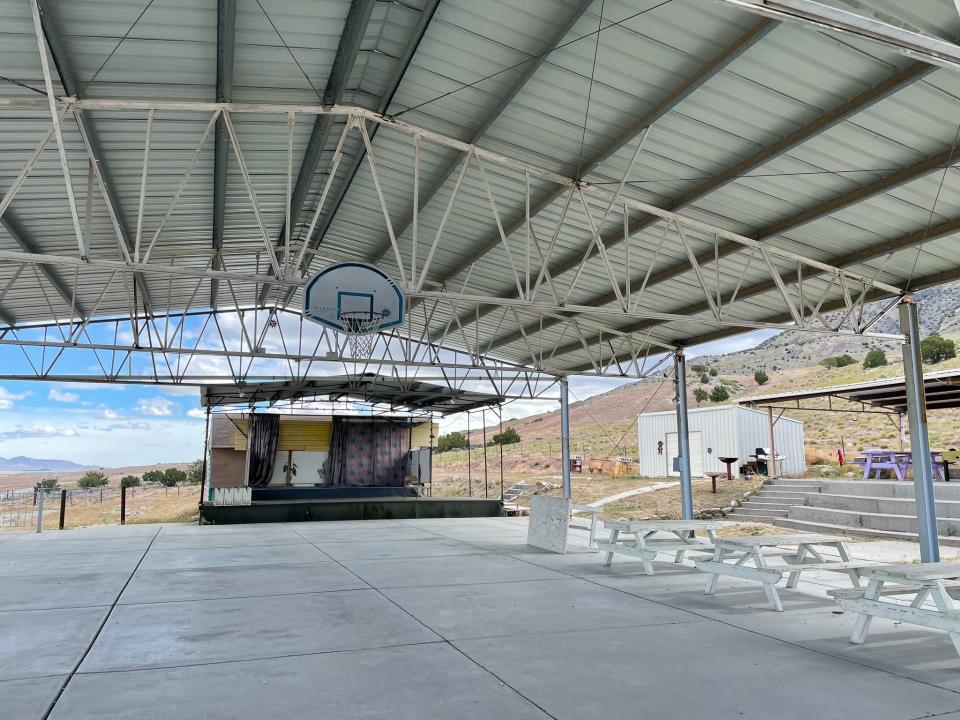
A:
x,y
123,504
40,496
63,506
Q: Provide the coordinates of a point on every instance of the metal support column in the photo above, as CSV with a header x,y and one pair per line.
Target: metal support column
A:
x,y
469,459
565,437
919,439
683,435
773,471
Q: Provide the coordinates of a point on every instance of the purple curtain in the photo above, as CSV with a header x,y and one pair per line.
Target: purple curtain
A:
x,y
264,436
368,452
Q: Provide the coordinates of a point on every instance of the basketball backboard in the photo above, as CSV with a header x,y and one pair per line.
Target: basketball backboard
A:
x,y
349,295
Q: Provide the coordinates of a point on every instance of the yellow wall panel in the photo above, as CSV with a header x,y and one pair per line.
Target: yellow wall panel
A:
x,y
305,435
421,435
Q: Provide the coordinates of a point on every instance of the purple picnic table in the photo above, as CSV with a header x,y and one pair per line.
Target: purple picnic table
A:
x,y
876,460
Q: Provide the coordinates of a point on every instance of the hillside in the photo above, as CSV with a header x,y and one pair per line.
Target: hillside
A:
x,y
603,426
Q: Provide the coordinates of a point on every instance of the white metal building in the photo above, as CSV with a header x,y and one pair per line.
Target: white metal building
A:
x,y
715,432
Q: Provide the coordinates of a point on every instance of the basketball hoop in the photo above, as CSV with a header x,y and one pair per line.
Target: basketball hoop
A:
x,y
361,329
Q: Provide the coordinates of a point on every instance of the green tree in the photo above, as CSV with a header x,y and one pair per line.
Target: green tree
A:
x,y
451,441
704,378
876,357
719,394
173,476
195,472
47,484
761,377
713,372
153,476
508,437
699,368
934,349
838,361
129,481
699,394
92,479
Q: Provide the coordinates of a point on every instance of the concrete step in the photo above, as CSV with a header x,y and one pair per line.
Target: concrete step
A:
x,y
787,496
888,489
809,485
740,516
882,505
833,529
762,511
775,500
875,521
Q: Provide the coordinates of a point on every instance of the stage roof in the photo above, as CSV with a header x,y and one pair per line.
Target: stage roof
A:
x,y
411,396
826,151
942,391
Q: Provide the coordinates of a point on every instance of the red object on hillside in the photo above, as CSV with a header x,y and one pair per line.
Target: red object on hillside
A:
x,y
840,456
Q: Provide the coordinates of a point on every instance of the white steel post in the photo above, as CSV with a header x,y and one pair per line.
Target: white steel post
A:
x,y
919,439
565,438
683,435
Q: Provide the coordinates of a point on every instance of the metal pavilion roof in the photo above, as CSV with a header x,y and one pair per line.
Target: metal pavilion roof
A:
x,y
826,149
413,397
942,391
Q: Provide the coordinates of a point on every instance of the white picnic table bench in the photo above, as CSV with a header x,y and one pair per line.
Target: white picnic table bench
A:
x,y
643,544
746,557
936,581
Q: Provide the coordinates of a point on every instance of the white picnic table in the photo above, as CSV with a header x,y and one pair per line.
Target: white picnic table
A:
x,y
644,544
916,582
746,557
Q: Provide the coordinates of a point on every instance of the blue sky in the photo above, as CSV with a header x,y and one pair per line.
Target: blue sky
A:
x,y
115,425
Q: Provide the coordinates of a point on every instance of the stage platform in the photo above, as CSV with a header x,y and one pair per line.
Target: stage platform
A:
x,y
381,508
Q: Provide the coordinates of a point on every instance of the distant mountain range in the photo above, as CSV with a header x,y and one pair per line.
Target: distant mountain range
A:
x,y
28,464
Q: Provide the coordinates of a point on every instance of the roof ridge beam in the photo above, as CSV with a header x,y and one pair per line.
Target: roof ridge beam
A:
x,y
226,45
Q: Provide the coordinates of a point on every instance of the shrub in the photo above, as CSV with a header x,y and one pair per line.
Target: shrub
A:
x,y
704,378
129,481
699,368
452,441
153,476
837,361
713,372
719,394
508,437
47,484
92,479
699,394
173,476
195,472
934,349
761,377
874,358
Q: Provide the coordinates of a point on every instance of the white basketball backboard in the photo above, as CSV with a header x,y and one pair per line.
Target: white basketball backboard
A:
x,y
350,291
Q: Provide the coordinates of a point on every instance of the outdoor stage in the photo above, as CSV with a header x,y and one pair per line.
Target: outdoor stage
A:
x,y
296,508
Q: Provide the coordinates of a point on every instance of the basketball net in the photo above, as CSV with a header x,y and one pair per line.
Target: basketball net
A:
x,y
361,329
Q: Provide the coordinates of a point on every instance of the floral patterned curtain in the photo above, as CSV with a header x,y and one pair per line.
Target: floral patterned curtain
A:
x,y
367,452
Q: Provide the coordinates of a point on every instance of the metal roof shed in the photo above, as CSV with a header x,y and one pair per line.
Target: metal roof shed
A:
x,y
722,431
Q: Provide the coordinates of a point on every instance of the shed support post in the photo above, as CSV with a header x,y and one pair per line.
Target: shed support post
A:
x,y
919,439
683,435
203,471
565,437
772,470
469,459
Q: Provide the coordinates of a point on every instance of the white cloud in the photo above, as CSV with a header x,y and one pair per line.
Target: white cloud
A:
x,y
37,431
7,398
109,414
197,413
60,396
155,407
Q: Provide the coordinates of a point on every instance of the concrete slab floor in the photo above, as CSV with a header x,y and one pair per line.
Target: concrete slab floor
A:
x,y
371,620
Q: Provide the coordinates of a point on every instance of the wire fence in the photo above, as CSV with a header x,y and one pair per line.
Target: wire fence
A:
x,y
59,508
